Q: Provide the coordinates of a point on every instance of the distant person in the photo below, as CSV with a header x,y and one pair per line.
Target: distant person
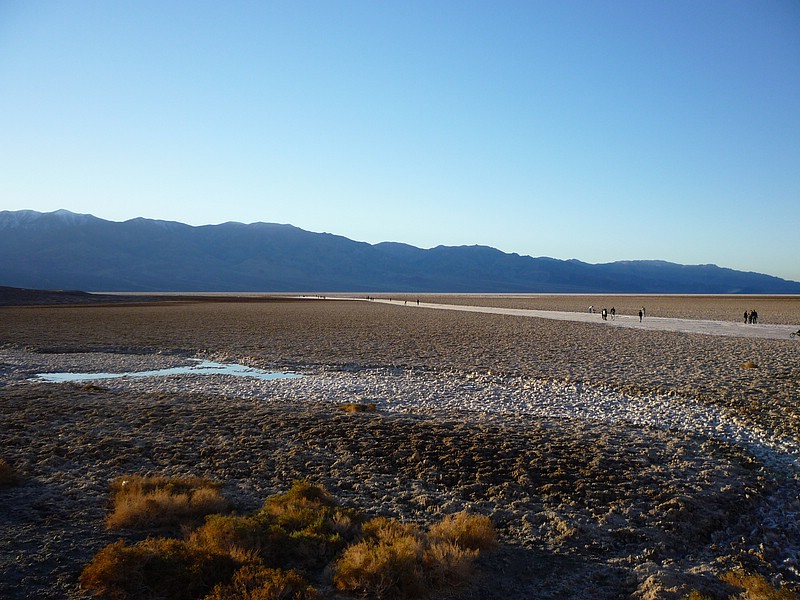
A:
x,y
746,317
591,309
753,317
641,314
613,313
604,314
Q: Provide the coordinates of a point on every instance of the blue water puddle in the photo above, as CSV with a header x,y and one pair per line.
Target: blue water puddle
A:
x,y
203,367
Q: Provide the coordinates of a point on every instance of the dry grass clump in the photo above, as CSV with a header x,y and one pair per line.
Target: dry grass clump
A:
x,y
264,555
139,501
229,534
261,583
355,407
474,532
749,364
156,567
755,587
312,528
8,474
749,587
394,560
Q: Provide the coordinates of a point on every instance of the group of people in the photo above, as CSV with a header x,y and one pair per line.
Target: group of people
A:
x,y
750,316
604,313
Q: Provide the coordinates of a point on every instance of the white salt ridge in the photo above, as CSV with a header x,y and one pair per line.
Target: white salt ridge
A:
x,y
518,400
406,392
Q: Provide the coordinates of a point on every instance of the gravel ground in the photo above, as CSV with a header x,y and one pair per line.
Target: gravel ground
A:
x,y
615,463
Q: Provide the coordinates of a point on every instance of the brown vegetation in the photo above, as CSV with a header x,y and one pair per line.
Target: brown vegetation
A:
x,y
169,568
755,587
745,586
261,583
395,560
356,407
255,557
141,501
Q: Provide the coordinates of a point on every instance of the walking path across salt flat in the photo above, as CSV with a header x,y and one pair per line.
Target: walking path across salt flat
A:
x,y
720,328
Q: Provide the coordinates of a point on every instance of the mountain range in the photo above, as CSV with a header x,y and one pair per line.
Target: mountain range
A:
x,y
65,250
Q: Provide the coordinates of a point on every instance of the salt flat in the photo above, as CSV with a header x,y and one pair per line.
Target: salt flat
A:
x,y
703,326
615,461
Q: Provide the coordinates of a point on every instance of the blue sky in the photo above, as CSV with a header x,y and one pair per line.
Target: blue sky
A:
x,y
596,130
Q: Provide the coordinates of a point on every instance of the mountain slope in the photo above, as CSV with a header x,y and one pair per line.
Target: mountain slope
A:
x,y
63,250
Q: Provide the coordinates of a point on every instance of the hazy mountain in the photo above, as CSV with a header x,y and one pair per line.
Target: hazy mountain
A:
x,y
63,250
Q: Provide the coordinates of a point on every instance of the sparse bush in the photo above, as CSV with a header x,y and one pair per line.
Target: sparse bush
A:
x,y
755,587
302,528
238,557
170,569
8,474
304,506
474,532
695,595
261,583
387,568
396,560
447,564
162,501
750,586
228,533
301,494
354,407
315,528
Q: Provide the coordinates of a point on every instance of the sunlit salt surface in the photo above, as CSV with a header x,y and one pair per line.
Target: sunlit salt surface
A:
x,y
203,367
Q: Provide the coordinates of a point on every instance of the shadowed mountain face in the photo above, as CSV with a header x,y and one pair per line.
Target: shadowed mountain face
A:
x,y
63,250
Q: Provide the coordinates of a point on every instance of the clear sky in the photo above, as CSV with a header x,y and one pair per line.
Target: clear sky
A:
x,y
597,130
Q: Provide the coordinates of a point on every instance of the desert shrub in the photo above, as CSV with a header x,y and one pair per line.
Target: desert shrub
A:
x,y
316,528
226,533
447,564
381,529
397,560
301,528
144,484
8,474
139,501
355,407
156,567
473,532
390,568
260,583
302,494
755,587
238,557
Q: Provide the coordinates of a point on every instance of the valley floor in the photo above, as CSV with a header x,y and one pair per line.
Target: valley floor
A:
x,y
615,462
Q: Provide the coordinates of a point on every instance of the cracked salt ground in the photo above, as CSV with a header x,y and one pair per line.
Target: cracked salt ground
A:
x,y
484,398
517,399
407,393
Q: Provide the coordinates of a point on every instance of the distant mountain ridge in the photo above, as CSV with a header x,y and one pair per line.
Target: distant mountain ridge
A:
x,y
65,250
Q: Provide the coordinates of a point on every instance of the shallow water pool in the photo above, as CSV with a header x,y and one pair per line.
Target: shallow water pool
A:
x,y
203,367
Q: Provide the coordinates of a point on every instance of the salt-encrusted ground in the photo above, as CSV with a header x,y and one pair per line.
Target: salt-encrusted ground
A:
x,y
598,489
